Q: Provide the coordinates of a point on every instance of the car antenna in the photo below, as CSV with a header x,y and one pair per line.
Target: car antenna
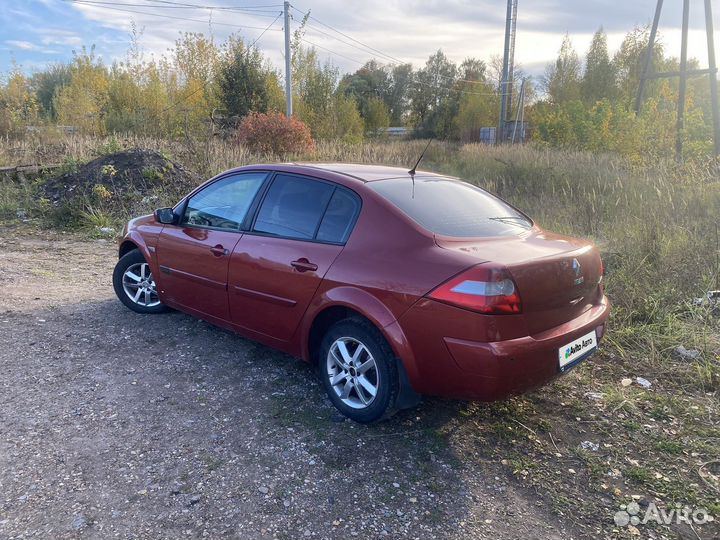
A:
x,y
411,172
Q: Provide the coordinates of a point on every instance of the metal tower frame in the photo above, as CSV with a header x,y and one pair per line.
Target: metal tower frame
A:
x,y
684,73
506,83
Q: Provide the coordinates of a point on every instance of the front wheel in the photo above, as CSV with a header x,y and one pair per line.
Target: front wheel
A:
x,y
358,370
134,284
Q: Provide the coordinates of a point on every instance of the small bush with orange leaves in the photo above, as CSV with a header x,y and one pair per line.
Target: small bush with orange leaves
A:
x,y
275,133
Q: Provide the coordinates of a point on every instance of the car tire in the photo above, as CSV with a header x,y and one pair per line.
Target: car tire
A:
x,y
134,284
358,370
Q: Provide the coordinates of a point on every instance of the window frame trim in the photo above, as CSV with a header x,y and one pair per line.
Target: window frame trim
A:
x,y
181,207
251,229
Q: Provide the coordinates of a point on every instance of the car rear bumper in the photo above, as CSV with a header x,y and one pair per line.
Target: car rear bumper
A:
x,y
456,367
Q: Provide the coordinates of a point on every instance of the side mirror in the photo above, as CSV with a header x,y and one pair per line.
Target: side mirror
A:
x,y
165,216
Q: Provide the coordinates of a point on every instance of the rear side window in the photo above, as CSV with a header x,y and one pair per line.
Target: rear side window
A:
x,y
339,217
451,208
293,207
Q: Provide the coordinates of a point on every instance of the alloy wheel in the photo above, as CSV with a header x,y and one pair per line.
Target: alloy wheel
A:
x,y
139,285
353,373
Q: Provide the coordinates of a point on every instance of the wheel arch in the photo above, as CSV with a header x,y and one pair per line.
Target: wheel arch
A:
x,y
355,303
126,247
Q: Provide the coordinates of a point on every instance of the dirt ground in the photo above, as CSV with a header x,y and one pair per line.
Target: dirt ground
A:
x,y
117,425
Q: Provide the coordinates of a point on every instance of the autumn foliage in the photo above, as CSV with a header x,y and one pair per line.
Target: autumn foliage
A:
x,y
275,133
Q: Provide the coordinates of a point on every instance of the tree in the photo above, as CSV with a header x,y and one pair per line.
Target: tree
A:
x,y
47,84
369,82
562,79
242,80
629,61
397,98
376,116
18,104
599,78
83,103
473,69
434,96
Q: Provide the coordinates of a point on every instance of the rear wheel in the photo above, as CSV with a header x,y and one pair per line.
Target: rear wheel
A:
x,y
134,284
358,370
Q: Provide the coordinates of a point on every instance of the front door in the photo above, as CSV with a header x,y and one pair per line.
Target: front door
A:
x,y
276,268
194,255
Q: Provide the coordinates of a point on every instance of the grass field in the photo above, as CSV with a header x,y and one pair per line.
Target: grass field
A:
x,y
658,230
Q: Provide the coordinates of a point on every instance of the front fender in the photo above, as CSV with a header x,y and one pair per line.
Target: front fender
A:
x,y
143,233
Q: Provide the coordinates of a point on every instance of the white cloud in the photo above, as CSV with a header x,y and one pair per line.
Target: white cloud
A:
x,y
61,37
24,45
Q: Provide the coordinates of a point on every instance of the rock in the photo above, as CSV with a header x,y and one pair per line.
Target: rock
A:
x,y
264,490
79,522
687,355
589,445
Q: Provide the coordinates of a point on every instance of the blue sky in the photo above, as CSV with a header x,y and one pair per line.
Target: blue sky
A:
x,y
38,32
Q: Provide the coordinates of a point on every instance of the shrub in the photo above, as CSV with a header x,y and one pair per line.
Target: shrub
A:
x,y
275,133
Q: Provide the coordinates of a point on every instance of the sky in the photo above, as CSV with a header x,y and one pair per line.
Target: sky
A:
x,y
37,32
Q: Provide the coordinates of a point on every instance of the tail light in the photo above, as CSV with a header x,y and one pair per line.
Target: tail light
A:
x,y
485,288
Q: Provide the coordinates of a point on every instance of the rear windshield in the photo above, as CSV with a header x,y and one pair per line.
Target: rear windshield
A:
x,y
451,208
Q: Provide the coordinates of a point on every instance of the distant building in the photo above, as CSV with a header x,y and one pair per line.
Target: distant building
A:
x,y
394,132
518,132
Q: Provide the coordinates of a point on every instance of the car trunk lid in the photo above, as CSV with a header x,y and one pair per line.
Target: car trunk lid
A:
x,y
557,276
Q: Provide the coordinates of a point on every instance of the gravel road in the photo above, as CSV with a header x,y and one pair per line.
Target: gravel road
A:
x,y
118,425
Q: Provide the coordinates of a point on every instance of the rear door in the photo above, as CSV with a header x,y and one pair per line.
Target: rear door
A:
x,y
276,268
194,255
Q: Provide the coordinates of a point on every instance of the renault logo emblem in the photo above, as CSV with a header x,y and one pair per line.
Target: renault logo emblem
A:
x,y
577,269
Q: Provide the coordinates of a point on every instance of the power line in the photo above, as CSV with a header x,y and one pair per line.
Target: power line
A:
x,y
416,82
249,11
331,51
169,3
93,3
387,56
110,5
266,29
372,49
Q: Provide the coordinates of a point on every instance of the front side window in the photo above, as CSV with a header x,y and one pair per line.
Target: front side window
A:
x,y
225,203
293,207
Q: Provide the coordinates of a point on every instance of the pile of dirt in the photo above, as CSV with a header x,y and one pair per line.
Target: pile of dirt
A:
x,y
134,173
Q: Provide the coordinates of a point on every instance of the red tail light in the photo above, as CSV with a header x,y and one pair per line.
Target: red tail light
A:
x,y
485,288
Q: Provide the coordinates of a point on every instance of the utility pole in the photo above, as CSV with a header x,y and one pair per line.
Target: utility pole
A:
x,y
680,130
500,134
712,66
684,73
508,68
288,60
648,57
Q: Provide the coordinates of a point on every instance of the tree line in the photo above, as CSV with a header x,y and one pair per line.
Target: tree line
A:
x,y
584,103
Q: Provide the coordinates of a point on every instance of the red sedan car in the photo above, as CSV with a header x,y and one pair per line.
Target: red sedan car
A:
x,y
394,285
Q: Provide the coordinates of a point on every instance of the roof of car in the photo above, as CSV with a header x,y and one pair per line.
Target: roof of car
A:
x,y
366,173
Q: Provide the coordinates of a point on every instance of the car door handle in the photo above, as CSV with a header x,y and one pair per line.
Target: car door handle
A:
x,y
218,250
303,265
